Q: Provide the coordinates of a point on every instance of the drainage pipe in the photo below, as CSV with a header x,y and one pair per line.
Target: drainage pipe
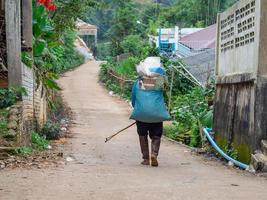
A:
x,y
237,163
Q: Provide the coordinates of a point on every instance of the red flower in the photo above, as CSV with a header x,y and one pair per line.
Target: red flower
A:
x,y
47,3
41,1
52,7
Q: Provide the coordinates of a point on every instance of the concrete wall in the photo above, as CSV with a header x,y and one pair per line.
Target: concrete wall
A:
x,y
27,104
238,38
40,107
240,111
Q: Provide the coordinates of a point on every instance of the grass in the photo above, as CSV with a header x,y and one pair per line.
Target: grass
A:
x,y
171,131
38,144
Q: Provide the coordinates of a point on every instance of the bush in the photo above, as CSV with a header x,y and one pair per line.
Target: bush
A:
x,y
71,58
24,151
126,68
192,112
39,142
103,50
133,44
10,96
171,130
51,130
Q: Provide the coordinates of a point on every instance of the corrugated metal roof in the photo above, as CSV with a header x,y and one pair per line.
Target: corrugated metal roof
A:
x,y
202,66
201,39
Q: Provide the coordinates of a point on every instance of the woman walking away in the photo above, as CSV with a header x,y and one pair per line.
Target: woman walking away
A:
x,y
149,107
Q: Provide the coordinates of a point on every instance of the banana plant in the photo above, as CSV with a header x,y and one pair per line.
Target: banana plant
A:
x,y
45,43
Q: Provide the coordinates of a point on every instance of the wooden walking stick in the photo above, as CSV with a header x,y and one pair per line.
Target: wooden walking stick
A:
x,y
112,136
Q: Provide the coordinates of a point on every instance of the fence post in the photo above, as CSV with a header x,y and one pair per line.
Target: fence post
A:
x,y
170,93
27,24
13,37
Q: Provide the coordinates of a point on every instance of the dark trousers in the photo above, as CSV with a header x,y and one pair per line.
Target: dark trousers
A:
x,y
151,129
154,130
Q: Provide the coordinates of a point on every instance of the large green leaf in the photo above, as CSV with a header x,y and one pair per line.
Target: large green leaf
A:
x,y
37,32
39,47
38,13
51,84
207,119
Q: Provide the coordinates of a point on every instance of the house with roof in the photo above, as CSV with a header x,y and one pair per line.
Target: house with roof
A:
x,y
197,51
167,39
197,42
194,46
85,30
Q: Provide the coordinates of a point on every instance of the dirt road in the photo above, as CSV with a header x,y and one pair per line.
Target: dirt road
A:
x,y
111,171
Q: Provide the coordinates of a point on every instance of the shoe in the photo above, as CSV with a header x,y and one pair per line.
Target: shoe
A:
x,y
154,161
145,162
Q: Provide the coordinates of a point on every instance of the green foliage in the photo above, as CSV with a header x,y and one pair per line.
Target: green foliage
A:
x,y
123,24
126,68
53,42
3,122
192,112
193,13
70,58
230,151
24,151
38,142
51,130
103,72
171,130
27,59
113,84
133,44
103,50
45,44
207,119
68,11
190,106
10,96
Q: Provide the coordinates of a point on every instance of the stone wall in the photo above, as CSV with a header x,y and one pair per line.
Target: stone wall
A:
x,y
29,114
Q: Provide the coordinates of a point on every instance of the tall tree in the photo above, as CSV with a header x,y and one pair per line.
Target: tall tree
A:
x,y
123,23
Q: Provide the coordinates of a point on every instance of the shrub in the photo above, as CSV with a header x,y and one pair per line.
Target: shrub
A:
x,y
71,58
10,96
171,130
51,130
133,44
24,151
103,50
192,111
126,68
39,142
